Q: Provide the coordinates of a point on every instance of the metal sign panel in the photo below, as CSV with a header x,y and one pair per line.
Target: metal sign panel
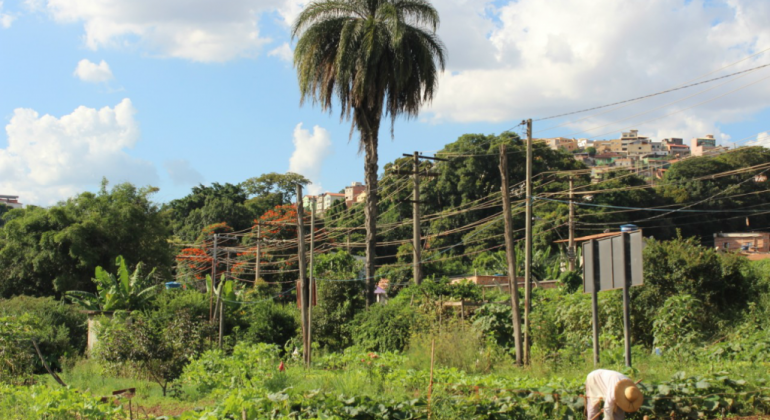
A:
x,y
612,262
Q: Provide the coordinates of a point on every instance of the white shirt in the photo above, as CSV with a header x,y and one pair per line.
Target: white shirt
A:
x,y
600,385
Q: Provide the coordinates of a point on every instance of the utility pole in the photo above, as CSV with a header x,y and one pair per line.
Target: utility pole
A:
x,y
416,231
259,243
222,303
510,252
311,294
528,245
348,240
213,280
302,289
571,244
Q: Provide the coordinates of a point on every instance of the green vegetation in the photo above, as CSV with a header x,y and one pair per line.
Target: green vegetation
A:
x,y
701,311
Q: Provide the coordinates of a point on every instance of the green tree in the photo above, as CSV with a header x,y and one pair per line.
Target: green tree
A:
x,y
206,206
591,151
375,57
339,296
125,292
47,251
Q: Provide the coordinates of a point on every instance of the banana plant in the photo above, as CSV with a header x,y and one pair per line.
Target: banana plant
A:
x,y
113,293
226,287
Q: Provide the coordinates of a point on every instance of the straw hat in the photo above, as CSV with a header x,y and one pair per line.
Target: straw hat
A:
x,y
627,396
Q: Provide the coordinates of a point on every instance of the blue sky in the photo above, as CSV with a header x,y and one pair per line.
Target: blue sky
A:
x,y
199,92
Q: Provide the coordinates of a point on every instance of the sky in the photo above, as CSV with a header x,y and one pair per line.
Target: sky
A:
x,y
177,93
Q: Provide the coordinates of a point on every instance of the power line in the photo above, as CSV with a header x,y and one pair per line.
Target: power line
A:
x,y
653,94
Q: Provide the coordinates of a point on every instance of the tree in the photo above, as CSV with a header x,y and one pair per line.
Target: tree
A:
x,y
152,346
50,251
374,57
206,206
591,151
125,292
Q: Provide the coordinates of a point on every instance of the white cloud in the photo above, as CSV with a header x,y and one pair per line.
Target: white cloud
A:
x,y
92,72
5,19
310,151
182,173
49,158
763,139
532,58
198,30
283,52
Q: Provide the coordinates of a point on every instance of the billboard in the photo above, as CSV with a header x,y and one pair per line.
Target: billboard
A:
x,y
611,262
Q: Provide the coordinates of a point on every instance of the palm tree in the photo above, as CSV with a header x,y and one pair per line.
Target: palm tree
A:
x,y
374,57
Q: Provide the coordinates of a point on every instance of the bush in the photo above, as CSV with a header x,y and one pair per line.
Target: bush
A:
x,y
338,301
456,346
248,364
60,329
151,346
270,322
680,323
16,361
387,327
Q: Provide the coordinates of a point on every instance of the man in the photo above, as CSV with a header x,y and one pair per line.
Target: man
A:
x,y
619,393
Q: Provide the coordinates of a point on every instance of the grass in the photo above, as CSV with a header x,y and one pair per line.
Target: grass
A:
x,y
86,375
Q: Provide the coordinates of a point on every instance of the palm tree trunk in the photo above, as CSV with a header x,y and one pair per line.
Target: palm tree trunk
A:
x,y
370,168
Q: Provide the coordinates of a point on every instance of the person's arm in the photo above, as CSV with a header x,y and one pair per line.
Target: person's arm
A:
x,y
609,407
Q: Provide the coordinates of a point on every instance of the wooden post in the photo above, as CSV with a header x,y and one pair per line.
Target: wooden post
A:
x,y
626,297
430,384
222,302
510,252
213,280
595,299
416,235
258,256
528,245
311,288
571,253
302,290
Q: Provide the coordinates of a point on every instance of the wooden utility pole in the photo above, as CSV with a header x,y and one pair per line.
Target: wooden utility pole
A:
x,y
416,231
528,245
595,298
348,241
510,252
311,291
259,255
303,284
222,302
626,237
571,252
213,280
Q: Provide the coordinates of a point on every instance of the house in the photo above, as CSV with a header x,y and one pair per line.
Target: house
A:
x,y
702,145
501,282
11,201
624,163
329,199
746,242
352,192
606,158
679,150
564,143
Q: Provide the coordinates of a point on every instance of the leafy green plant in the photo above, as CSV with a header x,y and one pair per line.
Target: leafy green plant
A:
x,y
16,361
388,327
122,292
43,402
157,348
59,329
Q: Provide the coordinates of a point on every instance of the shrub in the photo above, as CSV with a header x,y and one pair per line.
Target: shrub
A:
x,y
387,327
151,346
247,366
16,361
680,323
270,322
339,299
60,329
